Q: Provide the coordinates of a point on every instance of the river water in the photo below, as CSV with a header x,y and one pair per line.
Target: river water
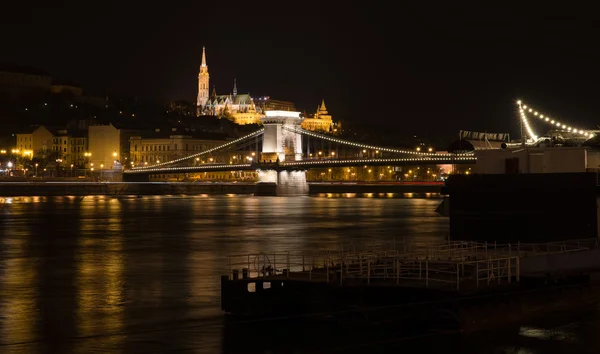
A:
x,y
141,275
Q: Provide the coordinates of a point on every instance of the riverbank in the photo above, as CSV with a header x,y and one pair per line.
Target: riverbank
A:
x,y
75,188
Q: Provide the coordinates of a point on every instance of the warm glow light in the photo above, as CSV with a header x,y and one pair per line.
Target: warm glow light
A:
x,y
285,114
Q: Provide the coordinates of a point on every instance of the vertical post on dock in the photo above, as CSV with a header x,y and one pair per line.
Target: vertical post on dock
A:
x,y
498,272
249,269
518,269
287,275
488,272
426,272
486,255
477,274
509,270
360,265
368,272
327,268
274,263
457,278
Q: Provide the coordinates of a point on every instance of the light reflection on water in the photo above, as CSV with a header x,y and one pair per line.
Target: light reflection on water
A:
x,y
102,274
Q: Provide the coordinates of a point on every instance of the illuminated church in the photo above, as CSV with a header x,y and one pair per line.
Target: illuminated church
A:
x,y
321,121
238,107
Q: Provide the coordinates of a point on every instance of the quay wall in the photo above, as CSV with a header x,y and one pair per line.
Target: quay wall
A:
x,y
102,188
359,188
59,188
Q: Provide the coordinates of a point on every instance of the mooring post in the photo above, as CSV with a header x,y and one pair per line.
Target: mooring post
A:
x,y
518,269
509,270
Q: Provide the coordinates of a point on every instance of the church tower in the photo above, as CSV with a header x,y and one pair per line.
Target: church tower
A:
x,y
202,84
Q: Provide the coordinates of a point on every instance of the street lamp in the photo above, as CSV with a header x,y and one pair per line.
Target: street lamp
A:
x,y
101,171
36,166
71,170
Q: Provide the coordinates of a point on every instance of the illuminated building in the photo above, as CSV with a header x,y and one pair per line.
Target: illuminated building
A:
x,y
70,148
38,141
321,121
267,104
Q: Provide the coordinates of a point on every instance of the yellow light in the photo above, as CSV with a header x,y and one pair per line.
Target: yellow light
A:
x,y
115,154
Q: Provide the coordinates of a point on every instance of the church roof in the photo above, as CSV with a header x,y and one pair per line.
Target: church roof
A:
x,y
239,99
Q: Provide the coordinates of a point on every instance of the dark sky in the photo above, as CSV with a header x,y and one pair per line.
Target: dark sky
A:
x,y
412,69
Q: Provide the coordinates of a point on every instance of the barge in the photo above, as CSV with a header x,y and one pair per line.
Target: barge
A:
x,y
464,285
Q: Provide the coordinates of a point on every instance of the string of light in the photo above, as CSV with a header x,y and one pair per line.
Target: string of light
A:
x,y
525,122
307,163
371,147
525,109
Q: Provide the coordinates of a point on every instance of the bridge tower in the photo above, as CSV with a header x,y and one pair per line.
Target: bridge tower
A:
x,y
278,142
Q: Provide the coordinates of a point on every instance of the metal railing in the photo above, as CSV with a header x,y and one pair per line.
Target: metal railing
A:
x,y
454,265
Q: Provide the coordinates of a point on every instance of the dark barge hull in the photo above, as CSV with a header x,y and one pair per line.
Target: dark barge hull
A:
x,y
416,307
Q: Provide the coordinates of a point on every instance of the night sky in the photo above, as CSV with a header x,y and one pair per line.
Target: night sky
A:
x,y
425,70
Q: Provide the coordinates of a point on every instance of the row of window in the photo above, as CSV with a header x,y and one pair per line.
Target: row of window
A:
x,y
163,147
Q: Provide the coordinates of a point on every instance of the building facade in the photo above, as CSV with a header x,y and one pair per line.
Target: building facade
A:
x,y
39,141
151,150
104,147
69,149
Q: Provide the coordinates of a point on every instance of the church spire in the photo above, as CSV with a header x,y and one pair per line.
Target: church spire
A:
x,y
234,88
203,57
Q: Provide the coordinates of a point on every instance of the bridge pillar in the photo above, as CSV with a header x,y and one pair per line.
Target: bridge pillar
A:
x,y
281,183
278,142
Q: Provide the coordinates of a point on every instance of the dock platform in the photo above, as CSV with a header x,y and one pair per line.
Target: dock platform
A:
x,y
386,275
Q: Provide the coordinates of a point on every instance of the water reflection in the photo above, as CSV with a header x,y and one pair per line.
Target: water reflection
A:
x,y
102,274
